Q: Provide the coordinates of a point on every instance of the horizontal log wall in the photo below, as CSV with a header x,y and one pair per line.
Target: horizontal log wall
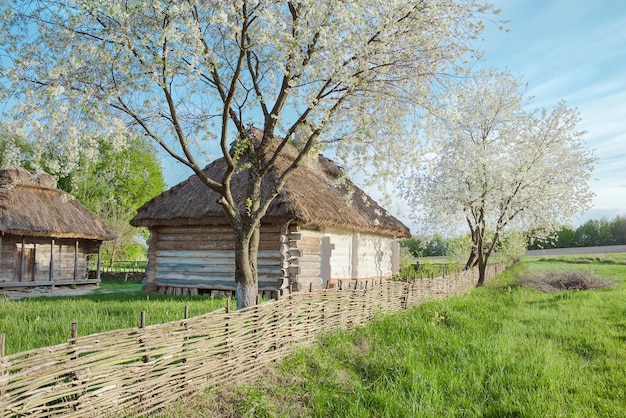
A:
x,y
304,247
140,370
194,258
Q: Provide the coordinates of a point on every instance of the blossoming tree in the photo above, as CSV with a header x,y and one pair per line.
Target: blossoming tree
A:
x,y
494,166
194,74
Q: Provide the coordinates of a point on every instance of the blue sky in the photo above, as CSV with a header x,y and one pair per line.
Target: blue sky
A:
x,y
573,50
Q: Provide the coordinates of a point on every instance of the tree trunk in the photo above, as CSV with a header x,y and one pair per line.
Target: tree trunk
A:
x,y
246,279
482,268
471,260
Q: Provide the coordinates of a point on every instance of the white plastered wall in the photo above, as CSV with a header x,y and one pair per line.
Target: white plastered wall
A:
x,y
356,255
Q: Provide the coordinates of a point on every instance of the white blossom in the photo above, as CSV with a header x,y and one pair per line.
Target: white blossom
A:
x,y
496,166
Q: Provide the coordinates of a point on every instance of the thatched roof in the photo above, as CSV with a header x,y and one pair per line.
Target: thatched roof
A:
x,y
31,205
317,194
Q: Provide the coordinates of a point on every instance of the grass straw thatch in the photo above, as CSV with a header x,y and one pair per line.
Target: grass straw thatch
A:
x,y
317,194
31,205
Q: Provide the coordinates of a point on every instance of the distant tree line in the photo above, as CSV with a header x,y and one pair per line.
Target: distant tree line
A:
x,y
423,246
593,233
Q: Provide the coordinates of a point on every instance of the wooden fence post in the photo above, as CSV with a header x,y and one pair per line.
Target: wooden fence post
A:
x,y
73,337
407,289
142,340
2,373
186,337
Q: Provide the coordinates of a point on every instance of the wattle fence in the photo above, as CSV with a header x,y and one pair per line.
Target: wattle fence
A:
x,y
140,370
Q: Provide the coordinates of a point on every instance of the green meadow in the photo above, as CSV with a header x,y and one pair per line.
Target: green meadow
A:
x,y
504,350
38,322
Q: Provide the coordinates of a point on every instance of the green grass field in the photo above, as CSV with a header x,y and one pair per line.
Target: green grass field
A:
x,y
504,350
38,322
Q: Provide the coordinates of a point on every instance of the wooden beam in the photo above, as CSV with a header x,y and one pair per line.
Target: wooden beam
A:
x,y
8,285
22,260
76,260
98,263
35,267
51,276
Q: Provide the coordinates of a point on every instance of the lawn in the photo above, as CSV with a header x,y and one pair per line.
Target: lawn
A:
x,y
38,322
504,350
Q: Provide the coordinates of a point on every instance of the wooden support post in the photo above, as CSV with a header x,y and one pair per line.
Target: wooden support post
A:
x,y
22,260
35,265
186,312
228,305
1,233
311,287
258,299
142,319
76,260
51,275
98,262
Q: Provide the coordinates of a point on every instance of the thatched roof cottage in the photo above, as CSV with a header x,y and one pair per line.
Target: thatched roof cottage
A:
x,y
46,236
320,229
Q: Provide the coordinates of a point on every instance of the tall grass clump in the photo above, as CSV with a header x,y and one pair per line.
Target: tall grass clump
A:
x,y
503,350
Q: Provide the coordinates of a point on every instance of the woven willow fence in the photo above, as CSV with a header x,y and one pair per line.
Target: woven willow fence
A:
x,y
140,370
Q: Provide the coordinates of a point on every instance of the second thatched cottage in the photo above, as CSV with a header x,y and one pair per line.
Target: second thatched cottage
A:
x,y
46,236
319,230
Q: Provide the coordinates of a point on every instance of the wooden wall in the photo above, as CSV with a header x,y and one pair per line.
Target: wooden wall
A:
x,y
304,249
199,259
70,263
185,260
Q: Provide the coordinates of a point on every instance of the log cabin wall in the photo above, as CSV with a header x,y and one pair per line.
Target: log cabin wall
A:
x,y
304,248
200,259
31,262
